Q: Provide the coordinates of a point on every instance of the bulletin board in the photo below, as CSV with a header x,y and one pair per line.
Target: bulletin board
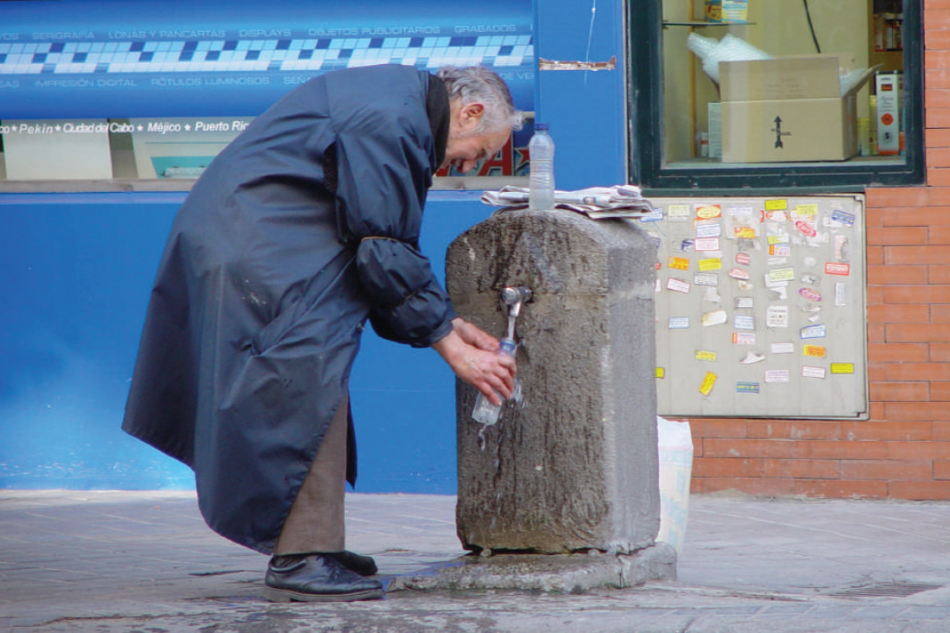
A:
x,y
760,307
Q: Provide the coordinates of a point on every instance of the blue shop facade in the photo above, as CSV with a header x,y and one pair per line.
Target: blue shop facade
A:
x,y
109,109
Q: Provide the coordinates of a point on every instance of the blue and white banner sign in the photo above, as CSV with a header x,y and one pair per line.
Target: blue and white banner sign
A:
x,y
114,59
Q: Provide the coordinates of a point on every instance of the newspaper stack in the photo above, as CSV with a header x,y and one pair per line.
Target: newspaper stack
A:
x,y
619,201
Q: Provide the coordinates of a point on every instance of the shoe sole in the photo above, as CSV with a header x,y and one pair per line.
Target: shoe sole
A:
x,y
286,595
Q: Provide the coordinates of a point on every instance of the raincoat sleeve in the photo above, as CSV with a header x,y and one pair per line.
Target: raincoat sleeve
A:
x,y
381,189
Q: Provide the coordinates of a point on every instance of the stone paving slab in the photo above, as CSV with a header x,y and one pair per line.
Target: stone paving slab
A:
x,y
145,562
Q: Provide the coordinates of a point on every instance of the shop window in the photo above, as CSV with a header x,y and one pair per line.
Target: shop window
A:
x,y
775,94
86,105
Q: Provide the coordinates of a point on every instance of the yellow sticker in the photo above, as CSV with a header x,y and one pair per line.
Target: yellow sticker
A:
x,y
842,368
711,263
776,205
781,274
807,209
703,355
778,239
660,372
708,383
708,211
745,232
678,212
679,263
816,351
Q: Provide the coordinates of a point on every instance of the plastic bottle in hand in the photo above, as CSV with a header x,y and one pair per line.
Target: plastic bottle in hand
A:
x,y
485,412
541,179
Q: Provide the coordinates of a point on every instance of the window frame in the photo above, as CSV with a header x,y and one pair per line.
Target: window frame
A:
x,y
645,143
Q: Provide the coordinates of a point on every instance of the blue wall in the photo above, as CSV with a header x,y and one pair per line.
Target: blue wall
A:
x,y
77,270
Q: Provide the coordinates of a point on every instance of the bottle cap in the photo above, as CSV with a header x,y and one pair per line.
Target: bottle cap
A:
x,y
541,126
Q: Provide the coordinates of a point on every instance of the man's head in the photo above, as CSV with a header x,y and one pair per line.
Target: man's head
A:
x,y
482,118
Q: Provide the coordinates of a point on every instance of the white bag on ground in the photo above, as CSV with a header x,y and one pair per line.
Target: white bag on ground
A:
x,y
675,449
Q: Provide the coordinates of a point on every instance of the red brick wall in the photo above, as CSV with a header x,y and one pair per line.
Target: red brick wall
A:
x,y
903,450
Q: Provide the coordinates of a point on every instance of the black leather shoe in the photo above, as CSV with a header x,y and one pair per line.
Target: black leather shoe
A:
x,y
316,578
362,565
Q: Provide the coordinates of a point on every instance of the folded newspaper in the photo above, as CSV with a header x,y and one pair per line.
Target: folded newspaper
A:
x,y
619,201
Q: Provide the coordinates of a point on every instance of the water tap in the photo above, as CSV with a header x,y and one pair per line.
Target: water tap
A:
x,y
514,297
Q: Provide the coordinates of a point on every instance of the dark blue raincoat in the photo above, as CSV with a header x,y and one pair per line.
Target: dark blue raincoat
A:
x,y
301,229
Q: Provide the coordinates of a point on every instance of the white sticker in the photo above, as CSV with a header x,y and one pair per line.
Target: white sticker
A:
x,y
745,303
776,316
743,338
841,293
783,348
708,229
809,371
704,244
752,357
776,375
679,323
677,285
813,331
717,317
744,322
842,250
778,293
706,279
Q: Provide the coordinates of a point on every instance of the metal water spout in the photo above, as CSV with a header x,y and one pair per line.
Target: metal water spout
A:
x,y
514,297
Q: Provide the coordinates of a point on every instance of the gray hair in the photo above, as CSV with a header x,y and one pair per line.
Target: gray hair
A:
x,y
477,84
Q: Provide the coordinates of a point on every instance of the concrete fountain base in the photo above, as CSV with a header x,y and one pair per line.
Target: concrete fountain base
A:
x,y
549,573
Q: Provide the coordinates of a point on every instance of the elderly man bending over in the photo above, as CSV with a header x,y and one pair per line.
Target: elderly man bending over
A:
x,y
298,232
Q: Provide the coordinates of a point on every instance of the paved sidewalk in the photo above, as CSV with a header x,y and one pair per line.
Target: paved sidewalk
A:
x,y
144,561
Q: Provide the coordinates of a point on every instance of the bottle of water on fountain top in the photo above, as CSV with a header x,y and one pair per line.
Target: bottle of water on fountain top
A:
x,y
541,180
485,411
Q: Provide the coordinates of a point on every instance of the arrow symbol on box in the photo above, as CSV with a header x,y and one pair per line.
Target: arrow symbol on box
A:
x,y
779,133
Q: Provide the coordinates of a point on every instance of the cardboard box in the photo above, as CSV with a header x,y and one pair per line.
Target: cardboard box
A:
x,y
788,109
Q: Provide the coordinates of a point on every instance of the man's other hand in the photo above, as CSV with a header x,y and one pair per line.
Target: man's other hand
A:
x,y
472,354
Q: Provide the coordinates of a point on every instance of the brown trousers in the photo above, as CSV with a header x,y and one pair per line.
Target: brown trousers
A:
x,y
316,519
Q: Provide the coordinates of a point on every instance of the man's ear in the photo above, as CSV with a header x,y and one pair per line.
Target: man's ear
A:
x,y
470,115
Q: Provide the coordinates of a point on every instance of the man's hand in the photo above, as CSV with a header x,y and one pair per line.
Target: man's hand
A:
x,y
474,335
471,353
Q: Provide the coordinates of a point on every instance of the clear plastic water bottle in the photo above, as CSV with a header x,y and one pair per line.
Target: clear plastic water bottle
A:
x,y
541,180
485,411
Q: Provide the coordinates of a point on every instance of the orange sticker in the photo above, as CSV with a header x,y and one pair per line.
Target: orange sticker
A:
x,y
708,211
679,263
